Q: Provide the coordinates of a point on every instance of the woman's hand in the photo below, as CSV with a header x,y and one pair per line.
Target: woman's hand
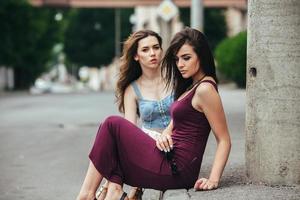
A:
x,y
205,184
164,142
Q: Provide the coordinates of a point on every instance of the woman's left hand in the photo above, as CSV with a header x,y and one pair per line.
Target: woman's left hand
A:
x,y
164,143
205,184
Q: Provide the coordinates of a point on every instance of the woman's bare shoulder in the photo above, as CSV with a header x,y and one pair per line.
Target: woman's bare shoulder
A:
x,y
206,88
129,91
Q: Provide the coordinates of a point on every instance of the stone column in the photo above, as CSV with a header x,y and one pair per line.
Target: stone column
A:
x,y
273,92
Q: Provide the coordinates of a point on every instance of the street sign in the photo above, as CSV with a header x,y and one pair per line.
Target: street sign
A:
x,y
167,10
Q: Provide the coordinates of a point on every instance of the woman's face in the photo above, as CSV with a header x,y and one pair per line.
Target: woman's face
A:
x,y
149,52
187,61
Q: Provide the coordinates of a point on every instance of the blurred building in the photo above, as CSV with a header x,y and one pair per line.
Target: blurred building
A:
x,y
148,17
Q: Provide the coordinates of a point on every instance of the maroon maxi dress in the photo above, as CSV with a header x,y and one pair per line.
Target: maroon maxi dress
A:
x,y
123,153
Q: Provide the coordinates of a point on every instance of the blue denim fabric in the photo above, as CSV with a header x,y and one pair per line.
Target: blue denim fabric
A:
x,y
153,114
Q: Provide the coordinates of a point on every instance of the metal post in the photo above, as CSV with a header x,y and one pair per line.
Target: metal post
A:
x,y
117,32
197,14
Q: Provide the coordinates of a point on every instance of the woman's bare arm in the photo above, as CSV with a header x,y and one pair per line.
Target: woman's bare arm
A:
x,y
130,105
207,100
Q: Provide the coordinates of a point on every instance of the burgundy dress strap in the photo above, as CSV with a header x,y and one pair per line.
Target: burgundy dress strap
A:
x,y
211,82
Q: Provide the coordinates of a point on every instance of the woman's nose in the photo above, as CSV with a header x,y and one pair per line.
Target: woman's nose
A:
x,y
180,63
152,52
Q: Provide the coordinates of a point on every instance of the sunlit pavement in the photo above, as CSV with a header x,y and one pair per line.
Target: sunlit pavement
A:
x,y
45,140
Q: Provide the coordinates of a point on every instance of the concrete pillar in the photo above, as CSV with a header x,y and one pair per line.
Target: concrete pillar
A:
x,y
273,92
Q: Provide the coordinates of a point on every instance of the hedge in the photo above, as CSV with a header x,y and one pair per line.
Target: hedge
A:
x,y
231,56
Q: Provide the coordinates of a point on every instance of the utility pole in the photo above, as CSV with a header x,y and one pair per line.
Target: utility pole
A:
x,y
197,14
117,32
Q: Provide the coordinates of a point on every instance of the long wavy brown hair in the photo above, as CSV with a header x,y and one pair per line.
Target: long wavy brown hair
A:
x,y
201,47
130,69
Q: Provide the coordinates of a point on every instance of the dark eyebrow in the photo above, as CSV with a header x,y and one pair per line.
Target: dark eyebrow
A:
x,y
186,54
183,55
146,47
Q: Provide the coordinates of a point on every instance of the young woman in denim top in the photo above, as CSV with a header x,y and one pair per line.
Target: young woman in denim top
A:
x,y
141,91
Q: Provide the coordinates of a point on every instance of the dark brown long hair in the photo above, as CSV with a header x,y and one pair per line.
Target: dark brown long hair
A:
x,y
130,69
201,47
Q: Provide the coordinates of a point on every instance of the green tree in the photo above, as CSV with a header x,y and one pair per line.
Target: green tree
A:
x,y
231,58
126,26
90,36
27,36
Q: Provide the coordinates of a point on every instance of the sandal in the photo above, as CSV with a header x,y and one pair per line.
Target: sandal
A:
x,y
138,194
101,193
124,195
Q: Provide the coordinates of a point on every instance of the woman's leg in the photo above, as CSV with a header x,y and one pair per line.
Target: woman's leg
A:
x,y
90,184
132,192
101,194
114,192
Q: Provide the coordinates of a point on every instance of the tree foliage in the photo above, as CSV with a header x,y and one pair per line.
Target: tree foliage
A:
x,y
27,36
231,55
90,36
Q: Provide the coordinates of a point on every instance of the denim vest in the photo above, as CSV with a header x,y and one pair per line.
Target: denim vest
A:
x,y
153,114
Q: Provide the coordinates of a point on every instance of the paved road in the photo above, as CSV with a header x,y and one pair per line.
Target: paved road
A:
x,y
44,142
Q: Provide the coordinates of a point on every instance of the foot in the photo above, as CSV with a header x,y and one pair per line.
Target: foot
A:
x,y
115,192
117,196
101,194
136,194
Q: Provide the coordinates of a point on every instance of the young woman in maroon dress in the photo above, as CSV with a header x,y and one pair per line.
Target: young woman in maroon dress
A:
x,y
122,154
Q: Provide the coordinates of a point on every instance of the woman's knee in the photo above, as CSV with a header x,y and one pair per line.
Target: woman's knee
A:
x,y
115,186
113,121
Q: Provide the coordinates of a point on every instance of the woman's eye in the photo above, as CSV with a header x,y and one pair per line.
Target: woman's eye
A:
x,y
144,50
186,58
156,48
